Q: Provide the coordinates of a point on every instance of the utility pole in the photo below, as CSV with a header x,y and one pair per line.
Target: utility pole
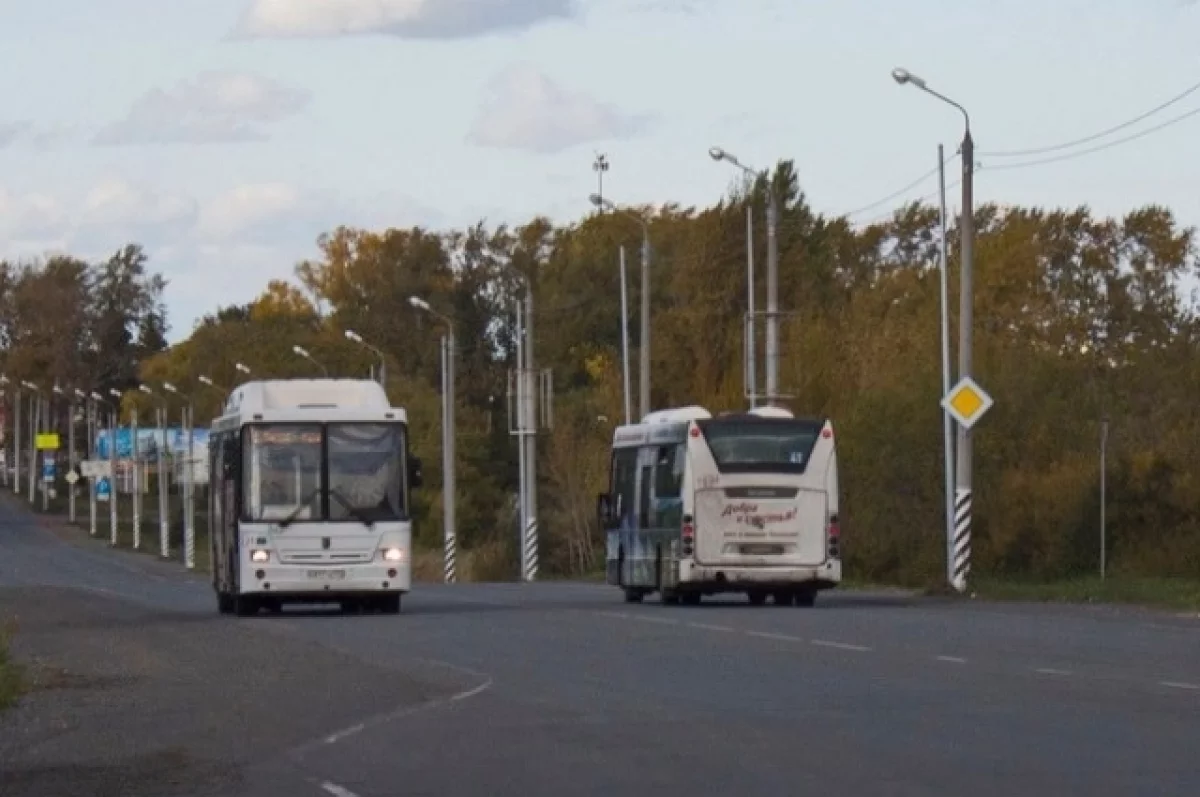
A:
x,y
947,431
516,415
71,460
962,497
772,294
751,326
114,424
136,462
625,341
449,488
644,377
600,166
530,546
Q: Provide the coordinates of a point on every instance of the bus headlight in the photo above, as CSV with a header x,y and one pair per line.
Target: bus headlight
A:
x,y
392,554
259,555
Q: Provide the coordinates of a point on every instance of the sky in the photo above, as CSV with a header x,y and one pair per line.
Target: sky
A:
x,y
227,135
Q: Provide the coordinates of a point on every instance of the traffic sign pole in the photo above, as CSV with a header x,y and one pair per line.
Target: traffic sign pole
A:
x,y
966,402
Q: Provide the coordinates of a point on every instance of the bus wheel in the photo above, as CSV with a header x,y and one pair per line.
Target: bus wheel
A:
x,y
757,597
690,598
224,602
784,598
633,595
245,605
390,604
806,597
670,597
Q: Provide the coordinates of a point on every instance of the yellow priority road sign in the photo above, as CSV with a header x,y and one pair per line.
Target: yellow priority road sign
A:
x,y
967,402
46,441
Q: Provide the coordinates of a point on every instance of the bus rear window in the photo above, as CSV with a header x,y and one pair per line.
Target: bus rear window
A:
x,y
761,444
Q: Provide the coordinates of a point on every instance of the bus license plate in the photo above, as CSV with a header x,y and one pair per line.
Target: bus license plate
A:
x,y
327,575
762,550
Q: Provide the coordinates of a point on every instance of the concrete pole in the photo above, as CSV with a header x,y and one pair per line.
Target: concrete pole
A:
x,y
531,529
947,421
164,520
17,442
625,341
450,536
136,485
71,462
963,486
519,412
772,295
751,326
35,407
644,378
189,492
114,422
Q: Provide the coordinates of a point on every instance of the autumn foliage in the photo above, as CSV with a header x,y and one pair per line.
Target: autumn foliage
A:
x,y
1077,318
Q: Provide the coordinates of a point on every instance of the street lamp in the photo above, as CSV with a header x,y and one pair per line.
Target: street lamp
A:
x,y
35,419
963,487
242,369
718,154
16,434
449,532
189,505
357,338
114,422
644,355
301,351
164,527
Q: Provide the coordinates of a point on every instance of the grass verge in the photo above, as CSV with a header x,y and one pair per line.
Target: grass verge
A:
x,y
1168,593
10,674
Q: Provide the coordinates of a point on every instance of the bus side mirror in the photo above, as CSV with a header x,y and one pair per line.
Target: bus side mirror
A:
x,y
604,510
415,479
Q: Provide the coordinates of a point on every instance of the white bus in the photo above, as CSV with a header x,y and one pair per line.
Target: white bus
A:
x,y
743,502
310,483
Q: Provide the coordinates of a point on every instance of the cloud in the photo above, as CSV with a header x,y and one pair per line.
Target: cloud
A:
x,y
213,107
525,109
13,132
412,19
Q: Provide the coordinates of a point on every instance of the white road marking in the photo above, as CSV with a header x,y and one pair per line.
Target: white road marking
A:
x,y
483,687
641,618
769,635
336,790
615,615
707,627
334,738
952,659
1180,685
839,645
1052,671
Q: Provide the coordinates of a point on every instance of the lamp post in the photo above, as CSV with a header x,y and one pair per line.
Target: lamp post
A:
x,y
164,525
189,504
354,336
303,352
114,422
35,402
963,486
450,534
16,434
718,154
644,351
135,476
89,408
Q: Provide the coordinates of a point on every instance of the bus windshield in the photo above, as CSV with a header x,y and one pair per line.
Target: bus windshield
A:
x,y
366,463
763,445
285,481
283,472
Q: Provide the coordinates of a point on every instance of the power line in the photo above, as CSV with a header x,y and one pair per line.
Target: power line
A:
x,y
1094,136
904,190
1100,147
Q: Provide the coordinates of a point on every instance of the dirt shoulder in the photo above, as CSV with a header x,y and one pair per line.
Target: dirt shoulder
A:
x,y
124,700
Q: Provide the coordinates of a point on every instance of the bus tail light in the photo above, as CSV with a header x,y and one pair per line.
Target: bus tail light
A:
x,y
689,537
834,535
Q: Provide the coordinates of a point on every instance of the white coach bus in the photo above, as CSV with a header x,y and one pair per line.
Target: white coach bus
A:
x,y
310,483
743,502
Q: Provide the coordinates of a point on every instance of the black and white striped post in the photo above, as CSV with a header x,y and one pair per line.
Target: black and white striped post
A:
x,y
966,402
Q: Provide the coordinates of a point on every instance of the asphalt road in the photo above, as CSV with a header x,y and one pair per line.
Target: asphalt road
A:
x,y
501,689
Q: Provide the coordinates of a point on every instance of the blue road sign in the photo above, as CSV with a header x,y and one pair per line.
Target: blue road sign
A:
x,y
103,489
48,468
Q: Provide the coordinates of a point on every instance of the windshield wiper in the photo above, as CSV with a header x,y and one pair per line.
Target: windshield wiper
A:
x,y
300,507
357,513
